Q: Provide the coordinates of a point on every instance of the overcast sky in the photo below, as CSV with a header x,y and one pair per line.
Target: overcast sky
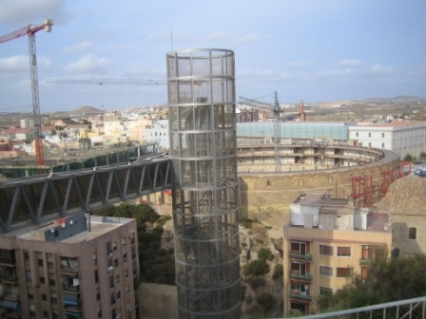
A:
x,y
317,50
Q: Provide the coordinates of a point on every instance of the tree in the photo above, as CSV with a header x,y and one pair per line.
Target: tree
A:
x,y
387,280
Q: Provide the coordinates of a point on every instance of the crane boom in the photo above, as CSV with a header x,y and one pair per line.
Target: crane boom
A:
x,y
30,32
277,122
108,81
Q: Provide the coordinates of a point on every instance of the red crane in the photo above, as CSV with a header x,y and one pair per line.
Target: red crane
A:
x,y
30,31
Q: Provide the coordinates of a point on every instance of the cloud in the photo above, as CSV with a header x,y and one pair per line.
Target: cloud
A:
x,y
24,12
348,62
219,35
89,64
300,64
21,64
78,48
248,38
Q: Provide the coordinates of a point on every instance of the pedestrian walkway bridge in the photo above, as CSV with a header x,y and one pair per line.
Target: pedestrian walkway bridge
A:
x,y
33,200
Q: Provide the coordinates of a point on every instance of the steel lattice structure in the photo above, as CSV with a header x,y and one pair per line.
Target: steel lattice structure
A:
x,y
27,201
202,124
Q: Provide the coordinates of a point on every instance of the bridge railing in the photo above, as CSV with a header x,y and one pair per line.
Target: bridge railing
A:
x,y
27,201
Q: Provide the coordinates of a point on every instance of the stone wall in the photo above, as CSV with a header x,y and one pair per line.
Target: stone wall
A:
x,y
267,196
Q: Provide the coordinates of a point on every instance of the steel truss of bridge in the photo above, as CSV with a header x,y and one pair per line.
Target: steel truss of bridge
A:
x,y
34,200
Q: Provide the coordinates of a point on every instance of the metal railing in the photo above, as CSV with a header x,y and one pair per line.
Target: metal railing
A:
x,y
403,309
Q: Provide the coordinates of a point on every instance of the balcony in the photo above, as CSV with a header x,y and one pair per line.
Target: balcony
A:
x,y
11,279
297,276
297,255
365,262
71,288
300,295
69,270
4,261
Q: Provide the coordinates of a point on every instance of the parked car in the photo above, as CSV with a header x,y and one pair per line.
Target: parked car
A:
x,y
422,173
417,171
419,162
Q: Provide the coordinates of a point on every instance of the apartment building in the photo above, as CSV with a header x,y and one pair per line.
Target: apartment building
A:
x,y
325,242
402,137
78,266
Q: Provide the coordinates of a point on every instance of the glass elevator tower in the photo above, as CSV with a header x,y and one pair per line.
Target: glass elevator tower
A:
x,y
201,98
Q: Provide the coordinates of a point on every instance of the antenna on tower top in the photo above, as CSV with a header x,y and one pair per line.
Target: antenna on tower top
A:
x,y
171,38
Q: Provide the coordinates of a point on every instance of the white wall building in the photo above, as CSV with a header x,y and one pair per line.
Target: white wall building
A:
x,y
159,133
400,137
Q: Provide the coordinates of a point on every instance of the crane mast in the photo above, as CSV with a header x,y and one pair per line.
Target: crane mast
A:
x,y
277,123
30,32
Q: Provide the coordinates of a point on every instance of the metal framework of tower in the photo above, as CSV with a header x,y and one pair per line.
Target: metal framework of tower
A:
x,y
202,124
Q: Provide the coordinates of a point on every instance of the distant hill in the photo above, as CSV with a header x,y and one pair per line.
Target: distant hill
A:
x,y
86,110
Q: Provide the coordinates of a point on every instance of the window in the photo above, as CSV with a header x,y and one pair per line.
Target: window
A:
x,y
116,262
52,282
298,248
412,233
112,298
44,297
118,295
125,257
369,134
42,281
40,262
325,291
45,314
117,279
98,296
383,135
96,276
383,145
126,273
356,134
108,248
343,272
326,271
123,241
54,300
326,250
111,281
369,144
30,296
344,251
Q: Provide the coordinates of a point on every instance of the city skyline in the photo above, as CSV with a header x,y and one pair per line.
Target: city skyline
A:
x,y
316,51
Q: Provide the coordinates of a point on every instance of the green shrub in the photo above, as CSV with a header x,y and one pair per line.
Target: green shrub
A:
x,y
256,268
266,301
265,254
257,282
259,241
162,220
246,222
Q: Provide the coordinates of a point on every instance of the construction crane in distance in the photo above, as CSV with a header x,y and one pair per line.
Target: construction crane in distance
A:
x,y
277,122
108,81
30,31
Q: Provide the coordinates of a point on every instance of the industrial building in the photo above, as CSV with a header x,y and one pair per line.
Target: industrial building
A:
x,y
79,266
297,130
327,240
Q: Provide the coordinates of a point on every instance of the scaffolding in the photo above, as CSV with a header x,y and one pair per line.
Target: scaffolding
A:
x,y
202,123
